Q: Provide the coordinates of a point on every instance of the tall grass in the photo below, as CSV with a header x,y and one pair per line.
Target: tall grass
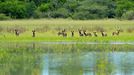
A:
x,y
65,23
46,29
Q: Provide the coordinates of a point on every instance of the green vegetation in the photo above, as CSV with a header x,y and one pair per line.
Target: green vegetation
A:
x,y
66,37
4,17
75,9
46,30
34,58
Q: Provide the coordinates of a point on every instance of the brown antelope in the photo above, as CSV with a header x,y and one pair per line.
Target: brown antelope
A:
x,y
116,33
80,32
72,33
17,32
60,33
63,33
86,34
103,33
95,34
33,31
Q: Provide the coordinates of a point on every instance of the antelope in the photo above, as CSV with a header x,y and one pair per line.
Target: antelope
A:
x,y
86,34
17,32
72,33
103,34
116,33
33,31
80,32
60,33
95,34
63,33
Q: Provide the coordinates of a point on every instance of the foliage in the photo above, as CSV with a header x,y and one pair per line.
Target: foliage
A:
x,y
61,12
75,9
16,9
122,6
44,7
4,17
129,15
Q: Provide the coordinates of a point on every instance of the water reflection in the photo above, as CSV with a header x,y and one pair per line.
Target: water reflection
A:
x,y
92,63
66,59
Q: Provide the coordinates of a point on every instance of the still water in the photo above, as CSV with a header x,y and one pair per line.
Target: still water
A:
x,y
66,59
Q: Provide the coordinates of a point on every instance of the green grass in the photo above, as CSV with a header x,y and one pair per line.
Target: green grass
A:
x,y
47,30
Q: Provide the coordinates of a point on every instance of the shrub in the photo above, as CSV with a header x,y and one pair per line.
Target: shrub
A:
x,y
84,15
43,7
17,9
129,15
37,14
60,13
4,17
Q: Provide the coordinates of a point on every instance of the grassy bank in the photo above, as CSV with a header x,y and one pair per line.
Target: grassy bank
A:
x,y
46,30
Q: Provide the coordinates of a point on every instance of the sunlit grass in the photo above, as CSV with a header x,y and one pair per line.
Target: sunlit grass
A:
x,y
52,26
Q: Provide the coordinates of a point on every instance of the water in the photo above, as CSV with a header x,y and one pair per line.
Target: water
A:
x,y
66,59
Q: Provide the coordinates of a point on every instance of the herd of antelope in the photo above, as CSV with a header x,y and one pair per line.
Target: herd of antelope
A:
x,y
85,33
80,32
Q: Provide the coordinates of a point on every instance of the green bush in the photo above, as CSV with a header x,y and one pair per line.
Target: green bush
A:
x,y
4,17
37,14
81,15
17,9
43,7
75,9
60,13
129,15
86,15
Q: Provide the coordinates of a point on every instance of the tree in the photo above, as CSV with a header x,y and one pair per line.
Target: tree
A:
x,y
90,10
123,6
17,9
129,15
75,9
